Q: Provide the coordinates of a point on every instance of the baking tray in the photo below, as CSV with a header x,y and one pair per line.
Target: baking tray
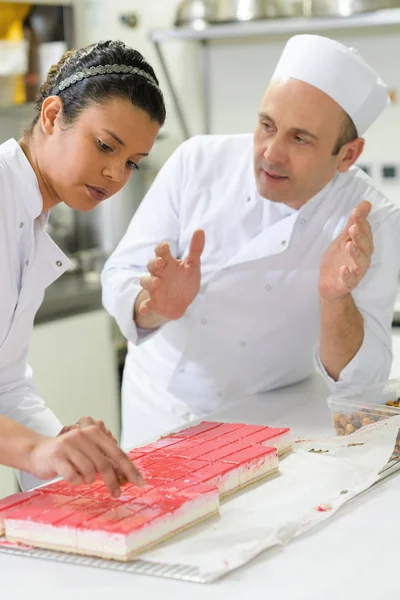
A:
x,y
137,567
143,567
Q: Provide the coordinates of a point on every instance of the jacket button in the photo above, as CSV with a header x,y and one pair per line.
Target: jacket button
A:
x,y
242,344
59,263
268,287
302,221
204,321
283,242
21,225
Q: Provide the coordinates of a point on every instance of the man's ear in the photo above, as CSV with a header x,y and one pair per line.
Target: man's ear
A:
x,y
51,111
349,153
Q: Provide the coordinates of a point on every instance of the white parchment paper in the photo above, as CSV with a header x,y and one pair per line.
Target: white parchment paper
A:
x,y
284,506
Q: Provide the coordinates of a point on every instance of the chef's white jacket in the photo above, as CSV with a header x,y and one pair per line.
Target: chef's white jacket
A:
x,y
255,323
29,262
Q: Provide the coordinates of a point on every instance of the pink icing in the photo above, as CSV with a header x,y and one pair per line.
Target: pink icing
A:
x,y
196,429
248,454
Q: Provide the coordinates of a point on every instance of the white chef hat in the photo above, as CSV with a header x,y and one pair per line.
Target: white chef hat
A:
x,y
338,71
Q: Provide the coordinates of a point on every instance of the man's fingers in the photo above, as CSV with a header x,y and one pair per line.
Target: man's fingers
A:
x,y
363,242
144,308
358,216
150,283
155,266
163,251
196,246
346,231
364,226
362,210
361,261
347,277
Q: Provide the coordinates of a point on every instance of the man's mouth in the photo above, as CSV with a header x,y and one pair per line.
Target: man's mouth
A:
x,y
97,193
275,176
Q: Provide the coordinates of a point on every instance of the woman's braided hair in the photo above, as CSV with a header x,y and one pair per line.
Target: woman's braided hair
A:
x,y
141,90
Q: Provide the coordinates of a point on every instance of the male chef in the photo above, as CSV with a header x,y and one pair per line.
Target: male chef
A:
x,y
254,258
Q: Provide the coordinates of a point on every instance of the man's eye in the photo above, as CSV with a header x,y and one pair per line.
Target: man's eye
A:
x,y
300,140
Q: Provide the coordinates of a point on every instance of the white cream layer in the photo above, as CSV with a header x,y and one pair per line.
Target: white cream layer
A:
x,y
113,545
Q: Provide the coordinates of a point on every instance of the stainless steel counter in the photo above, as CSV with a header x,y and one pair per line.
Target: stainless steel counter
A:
x,y
340,559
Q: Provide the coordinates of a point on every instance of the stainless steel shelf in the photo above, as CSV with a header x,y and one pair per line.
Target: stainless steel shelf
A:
x,y
269,27
263,28
46,2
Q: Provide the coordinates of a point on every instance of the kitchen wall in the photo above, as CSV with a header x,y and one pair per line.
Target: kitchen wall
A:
x,y
240,71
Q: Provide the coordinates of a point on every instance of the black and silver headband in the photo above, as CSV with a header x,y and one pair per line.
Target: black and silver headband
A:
x,y
101,70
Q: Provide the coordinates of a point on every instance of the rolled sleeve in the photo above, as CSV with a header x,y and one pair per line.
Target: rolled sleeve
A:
x,y
121,306
371,364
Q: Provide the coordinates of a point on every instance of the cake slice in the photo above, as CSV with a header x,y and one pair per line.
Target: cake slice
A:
x,y
107,528
12,502
192,448
253,463
122,539
222,451
75,491
225,477
55,528
141,451
27,522
218,433
278,438
193,430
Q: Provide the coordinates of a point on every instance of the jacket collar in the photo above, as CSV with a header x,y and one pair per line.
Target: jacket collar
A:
x,y
26,182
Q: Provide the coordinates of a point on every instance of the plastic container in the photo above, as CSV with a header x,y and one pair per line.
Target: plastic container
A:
x,y
365,405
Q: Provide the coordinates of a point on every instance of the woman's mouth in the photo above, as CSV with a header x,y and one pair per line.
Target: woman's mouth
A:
x,y
97,193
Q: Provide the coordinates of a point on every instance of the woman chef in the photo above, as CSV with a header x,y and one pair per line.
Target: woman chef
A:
x,y
97,115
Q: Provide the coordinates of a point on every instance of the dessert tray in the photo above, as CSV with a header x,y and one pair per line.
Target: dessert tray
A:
x,y
243,501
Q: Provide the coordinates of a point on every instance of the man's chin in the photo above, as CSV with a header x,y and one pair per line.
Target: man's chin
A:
x,y
270,195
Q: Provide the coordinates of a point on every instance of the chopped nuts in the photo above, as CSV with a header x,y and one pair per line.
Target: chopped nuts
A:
x,y
336,417
346,424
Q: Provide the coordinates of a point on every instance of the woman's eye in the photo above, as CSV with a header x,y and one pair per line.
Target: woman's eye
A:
x,y
132,165
103,147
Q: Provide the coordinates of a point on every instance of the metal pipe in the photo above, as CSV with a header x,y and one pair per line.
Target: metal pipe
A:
x,y
175,99
206,73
